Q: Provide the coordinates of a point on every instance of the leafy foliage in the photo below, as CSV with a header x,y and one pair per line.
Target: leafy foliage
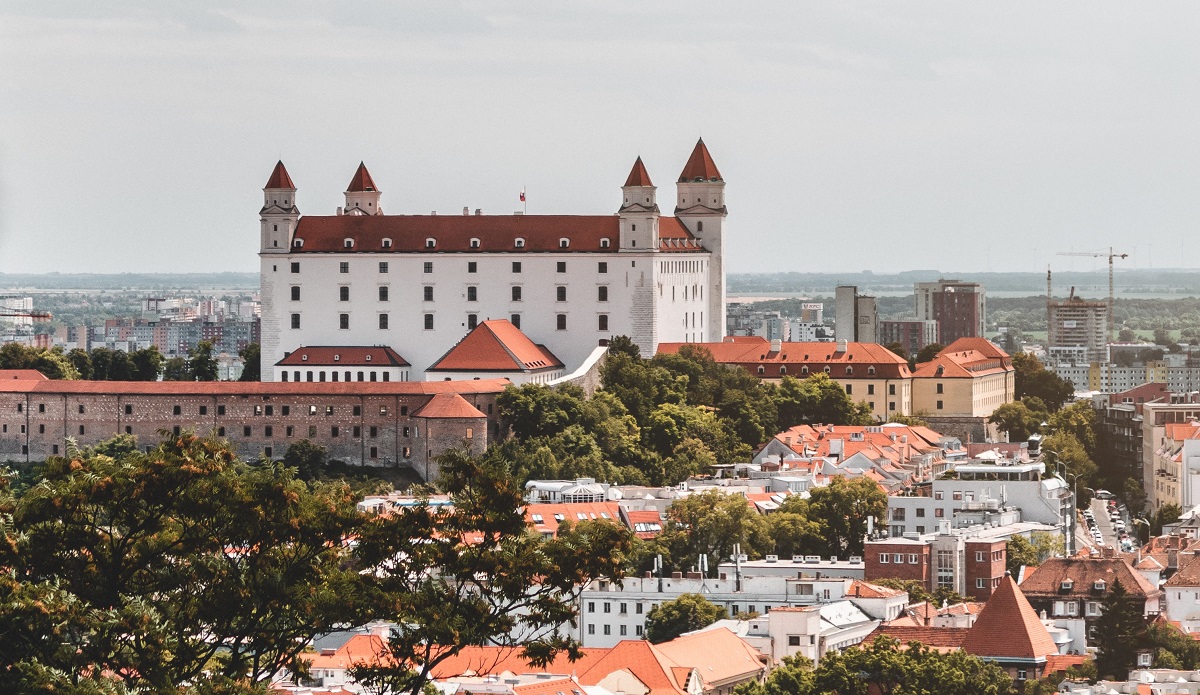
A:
x,y
51,362
689,612
1033,379
252,362
1031,552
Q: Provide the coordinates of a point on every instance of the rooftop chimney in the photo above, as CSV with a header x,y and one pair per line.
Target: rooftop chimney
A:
x,y
776,345
843,345
466,210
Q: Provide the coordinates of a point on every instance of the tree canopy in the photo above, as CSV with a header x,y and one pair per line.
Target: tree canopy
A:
x,y
689,612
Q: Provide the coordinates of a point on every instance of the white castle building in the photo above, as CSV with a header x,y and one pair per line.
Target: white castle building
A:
x,y
419,283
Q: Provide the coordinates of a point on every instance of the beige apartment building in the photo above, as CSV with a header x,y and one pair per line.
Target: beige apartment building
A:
x,y
959,389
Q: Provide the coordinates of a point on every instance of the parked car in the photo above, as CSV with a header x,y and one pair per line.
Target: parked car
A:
x,y
1104,495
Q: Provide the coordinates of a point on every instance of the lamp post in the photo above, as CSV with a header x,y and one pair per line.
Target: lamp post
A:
x,y
1068,524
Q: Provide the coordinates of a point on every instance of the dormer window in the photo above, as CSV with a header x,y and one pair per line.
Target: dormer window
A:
x,y
337,358
474,243
298,243
367,358
347,243
1066,585
564,243
870,370
430,243
827,370
1099,585
762,370
804,370
303,358
387,243
604,243
782,369
519,243
849,371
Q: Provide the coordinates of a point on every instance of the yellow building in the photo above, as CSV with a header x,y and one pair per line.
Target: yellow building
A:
x,y
962,386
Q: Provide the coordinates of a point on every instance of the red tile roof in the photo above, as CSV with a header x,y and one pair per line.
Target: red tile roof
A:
x,y
719,655
359,649
544,518
650,520
638,175
496,233
279,178
448,406
946,637
862,589
1188,574
343,356
1046,579
858,357
251,388
966,358
1057,663
22,375
700,166
482,661
361,181
1008,627
496,346
644,661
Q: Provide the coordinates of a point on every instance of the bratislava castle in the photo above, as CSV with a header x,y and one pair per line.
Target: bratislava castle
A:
x,y
419,283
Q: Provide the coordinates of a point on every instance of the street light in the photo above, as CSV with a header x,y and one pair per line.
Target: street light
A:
x,y
1069,528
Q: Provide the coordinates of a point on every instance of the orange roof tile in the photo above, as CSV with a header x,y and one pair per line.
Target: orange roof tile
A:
x,y
482,661
859,358
641,659
1056,663
700,166
279,178
447,406
862,589
361,181
453,233
950,637
359,649
966,358
1084,571
638,175
22,375
718,655
1008,627
343,356
496,346
60,387
545,518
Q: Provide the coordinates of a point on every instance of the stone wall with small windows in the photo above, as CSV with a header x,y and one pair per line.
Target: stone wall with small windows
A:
x,y
378,426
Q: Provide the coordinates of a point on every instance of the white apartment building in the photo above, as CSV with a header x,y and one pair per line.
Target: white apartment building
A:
x,y
610,613
419,283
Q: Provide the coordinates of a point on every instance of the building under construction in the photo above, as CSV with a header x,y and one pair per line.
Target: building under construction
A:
x,y
1078,323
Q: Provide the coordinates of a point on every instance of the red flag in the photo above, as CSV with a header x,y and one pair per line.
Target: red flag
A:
x,y
522,195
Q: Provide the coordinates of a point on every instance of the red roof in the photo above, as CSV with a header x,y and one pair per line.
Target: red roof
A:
x,y
719,655
966,358
361,181
859,358
644,662
1083,572
944,637
546,518
22,375
496,233
638,175
651,522
447,406
57,387
359,649
1008,627
700,166
343,356
862,589
482,661
279,178
496,346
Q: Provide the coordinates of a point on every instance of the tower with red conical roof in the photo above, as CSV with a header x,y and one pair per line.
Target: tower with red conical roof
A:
x,y
362,195
701,208
639,211
279,212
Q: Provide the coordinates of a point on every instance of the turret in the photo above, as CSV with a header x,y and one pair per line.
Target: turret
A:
x,y
639,211
279,213
701,208
362,197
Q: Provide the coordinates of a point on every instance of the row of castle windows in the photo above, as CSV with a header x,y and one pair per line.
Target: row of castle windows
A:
x,y
472,267
560,293
472,322
259,410
431,242
849,372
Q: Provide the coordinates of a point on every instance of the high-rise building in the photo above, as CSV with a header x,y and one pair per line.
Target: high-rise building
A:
x,y
912,334
1078,323
855,317
958,307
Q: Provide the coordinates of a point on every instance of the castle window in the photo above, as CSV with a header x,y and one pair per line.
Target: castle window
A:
x,y
276,228
783,369
602,293
430,243
562,266
474,243
602,267
429,322
387,243
383,321
699,225
604,243
849,370
428,293
295,320
762,369
827,370
343,267
428,266
564,243
344,321
383,293
295,267
472,320
472,293
560,293
515,320
472,266
295,293
561,322
344,293
870,370
519,243
383,266
298,243
804,370
516,293
347,243
516,266
633,227
603,322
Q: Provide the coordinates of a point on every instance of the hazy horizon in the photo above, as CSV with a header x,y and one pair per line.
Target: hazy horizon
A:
x,y
137,135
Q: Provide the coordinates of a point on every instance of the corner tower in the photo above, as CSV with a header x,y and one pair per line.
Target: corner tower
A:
x,y
279,212
639,211
362,196
701,208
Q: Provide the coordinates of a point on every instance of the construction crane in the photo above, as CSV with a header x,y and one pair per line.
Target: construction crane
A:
x,y
1100,254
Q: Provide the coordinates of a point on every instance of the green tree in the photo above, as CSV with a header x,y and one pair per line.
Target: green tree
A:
x,y
711,523
689,457
1063,447
842,508
146,364
898,349
1016,420
307,458
883,667
536,410
1120,631
176,369
928,352
689,612
1166,514
81,361
1126,335
251,362
917,592
795,534
1134,496
202,365
52,363
492,573
131,540
1031,378
917,420
817,399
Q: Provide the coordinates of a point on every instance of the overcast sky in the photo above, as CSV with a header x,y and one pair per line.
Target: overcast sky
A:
x,y
136,136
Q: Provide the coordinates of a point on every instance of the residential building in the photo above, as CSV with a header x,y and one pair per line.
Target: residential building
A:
x,y
959,389
401,423
1074,587
1181,596
343,363
1156,416
1176,464
869,372
1076,322
558,491
419,283
855,316
911,334
965,561
959,308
